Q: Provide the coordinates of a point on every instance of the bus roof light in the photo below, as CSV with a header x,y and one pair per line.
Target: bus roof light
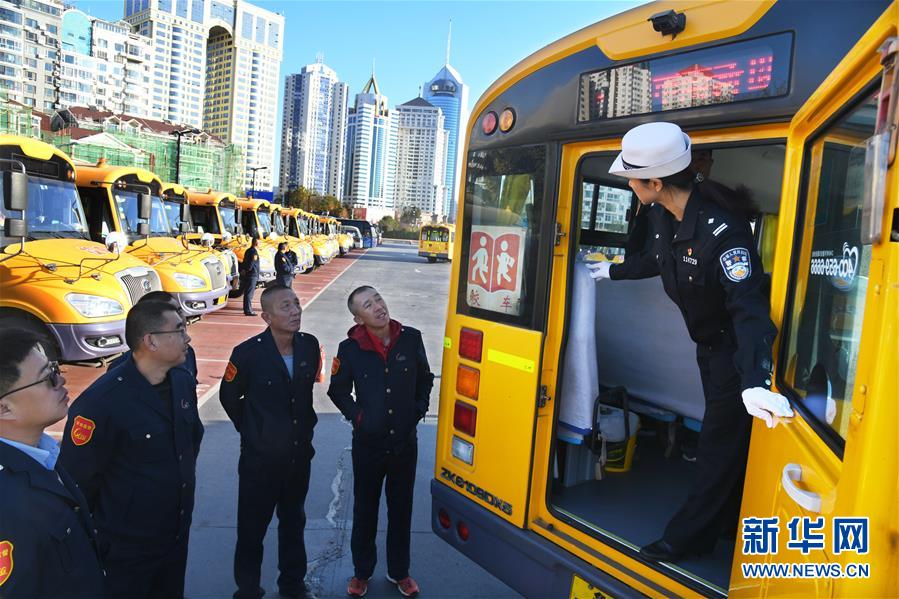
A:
x,y
506,120
467,381
488,123
465,418
470,344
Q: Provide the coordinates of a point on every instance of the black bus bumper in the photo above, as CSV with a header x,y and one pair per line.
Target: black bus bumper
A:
x,y
520,558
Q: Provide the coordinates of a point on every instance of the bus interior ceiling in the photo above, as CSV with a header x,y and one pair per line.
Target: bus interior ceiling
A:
x,y
642,345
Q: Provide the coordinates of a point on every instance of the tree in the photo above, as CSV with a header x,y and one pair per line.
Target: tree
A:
x,y
388,223
410,216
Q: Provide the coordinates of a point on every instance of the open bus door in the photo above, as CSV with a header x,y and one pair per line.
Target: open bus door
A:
x,y
836,355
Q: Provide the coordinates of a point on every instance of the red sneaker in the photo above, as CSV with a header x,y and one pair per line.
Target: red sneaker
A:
x,y
407,586
357,587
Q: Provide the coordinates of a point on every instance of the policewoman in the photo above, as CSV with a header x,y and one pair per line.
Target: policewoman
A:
x,y
385,365
697,237
267,393
131,443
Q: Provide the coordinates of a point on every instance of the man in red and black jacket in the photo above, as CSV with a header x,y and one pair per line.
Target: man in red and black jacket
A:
x,y
385,364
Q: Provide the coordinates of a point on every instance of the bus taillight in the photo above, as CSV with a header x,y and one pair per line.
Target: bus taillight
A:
x,y
465,418
462,529
444,518
470,344
468,381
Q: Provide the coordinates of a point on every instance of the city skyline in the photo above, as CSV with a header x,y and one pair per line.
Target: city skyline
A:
x,y
403,61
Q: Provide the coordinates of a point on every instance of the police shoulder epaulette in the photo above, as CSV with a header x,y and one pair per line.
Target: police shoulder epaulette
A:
x,y
715,222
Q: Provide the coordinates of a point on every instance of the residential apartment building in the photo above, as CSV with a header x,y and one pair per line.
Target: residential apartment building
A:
x,y
370,164
216,66
104,65
30,51
421,159
447,91
313,132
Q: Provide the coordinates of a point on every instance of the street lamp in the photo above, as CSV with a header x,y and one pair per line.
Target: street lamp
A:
x,y
254,169
178,133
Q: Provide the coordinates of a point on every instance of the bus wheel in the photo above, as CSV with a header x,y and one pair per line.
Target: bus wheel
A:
x,y
432,259
23,320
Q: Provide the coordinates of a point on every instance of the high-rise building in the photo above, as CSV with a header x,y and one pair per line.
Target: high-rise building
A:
x,y
421,146
370,164
313,132
216,65
104,65
30,52
447,91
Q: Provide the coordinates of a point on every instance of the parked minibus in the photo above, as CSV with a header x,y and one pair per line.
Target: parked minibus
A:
x,y
53,278
554,489
435,242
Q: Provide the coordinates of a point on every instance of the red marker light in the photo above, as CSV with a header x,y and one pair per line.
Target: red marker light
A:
x,y
488,123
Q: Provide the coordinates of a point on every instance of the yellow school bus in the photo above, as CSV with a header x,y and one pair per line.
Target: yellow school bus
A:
x,y
796,101
302,248
435,242
255,221
113,198
53,278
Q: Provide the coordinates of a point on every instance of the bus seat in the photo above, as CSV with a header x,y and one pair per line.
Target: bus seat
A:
x,y
642,344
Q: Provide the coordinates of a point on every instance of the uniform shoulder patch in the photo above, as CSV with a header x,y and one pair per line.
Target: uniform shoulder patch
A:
x,y
82,430
6,562
335,365
736,264
230,372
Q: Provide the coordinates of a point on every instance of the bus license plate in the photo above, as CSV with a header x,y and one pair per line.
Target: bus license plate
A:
x,y
581,589
433,255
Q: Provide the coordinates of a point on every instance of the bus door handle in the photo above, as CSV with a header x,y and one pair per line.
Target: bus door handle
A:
x,y
805,499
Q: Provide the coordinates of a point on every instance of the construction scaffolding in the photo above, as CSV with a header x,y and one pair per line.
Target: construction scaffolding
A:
x,y
18,119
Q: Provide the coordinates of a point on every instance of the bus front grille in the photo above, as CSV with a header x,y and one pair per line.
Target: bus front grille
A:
x,y
216,272
139,282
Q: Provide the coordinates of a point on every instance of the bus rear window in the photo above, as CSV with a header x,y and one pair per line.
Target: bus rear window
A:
x,y
500,239
747,70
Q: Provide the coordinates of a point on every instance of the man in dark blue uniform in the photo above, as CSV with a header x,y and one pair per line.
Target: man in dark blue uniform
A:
x,y
283,266
190,362
385,364
249,275
131,443
695,234
47,538
267,393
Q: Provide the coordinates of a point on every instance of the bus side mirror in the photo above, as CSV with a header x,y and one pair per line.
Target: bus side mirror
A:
x,y
15,190
143,229
184,227
144,206
185,212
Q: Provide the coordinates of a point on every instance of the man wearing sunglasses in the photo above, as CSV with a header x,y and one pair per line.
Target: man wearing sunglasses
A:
x,y
131,443
47,538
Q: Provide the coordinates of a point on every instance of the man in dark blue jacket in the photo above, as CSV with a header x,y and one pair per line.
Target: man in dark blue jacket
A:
x,y
267,393
131,443
249,276
385,364
283,266
47,538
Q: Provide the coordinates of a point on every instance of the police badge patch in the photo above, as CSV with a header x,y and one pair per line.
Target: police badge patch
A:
x,y
736,264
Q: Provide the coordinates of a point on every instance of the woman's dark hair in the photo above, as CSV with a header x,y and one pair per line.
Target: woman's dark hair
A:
x,y
737,201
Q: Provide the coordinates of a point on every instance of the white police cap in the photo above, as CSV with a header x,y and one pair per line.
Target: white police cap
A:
x,y
652,151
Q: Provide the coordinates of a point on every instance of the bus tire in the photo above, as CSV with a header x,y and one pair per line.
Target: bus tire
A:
x,y
432,259
23,320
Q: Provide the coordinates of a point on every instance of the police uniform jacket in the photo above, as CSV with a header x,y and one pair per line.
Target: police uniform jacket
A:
x,y
392,395
47,538
190,362
250,265
282,264
711,269
271,410
135,458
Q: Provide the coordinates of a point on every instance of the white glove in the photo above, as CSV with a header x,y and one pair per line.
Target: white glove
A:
x,y
599,270
765,404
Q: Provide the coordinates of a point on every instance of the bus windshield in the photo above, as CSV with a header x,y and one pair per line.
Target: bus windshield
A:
x,y
229,219
503,200
278,223
126,203
173,214
265,222
54,209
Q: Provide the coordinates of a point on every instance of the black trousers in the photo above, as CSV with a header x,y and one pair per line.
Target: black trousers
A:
x,y
371,468
285,280
248,287
146,574
713,504
264,487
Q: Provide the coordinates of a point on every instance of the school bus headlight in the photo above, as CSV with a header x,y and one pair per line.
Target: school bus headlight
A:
x,y
507,120
94,306
488,123
470,343
467,381
465,418
189,281
463,450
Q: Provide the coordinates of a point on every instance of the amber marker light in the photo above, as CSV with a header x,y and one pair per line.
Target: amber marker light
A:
x,y
507,120
467,381
488,123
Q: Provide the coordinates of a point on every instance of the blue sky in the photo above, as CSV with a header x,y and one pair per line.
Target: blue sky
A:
x,y
407,40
